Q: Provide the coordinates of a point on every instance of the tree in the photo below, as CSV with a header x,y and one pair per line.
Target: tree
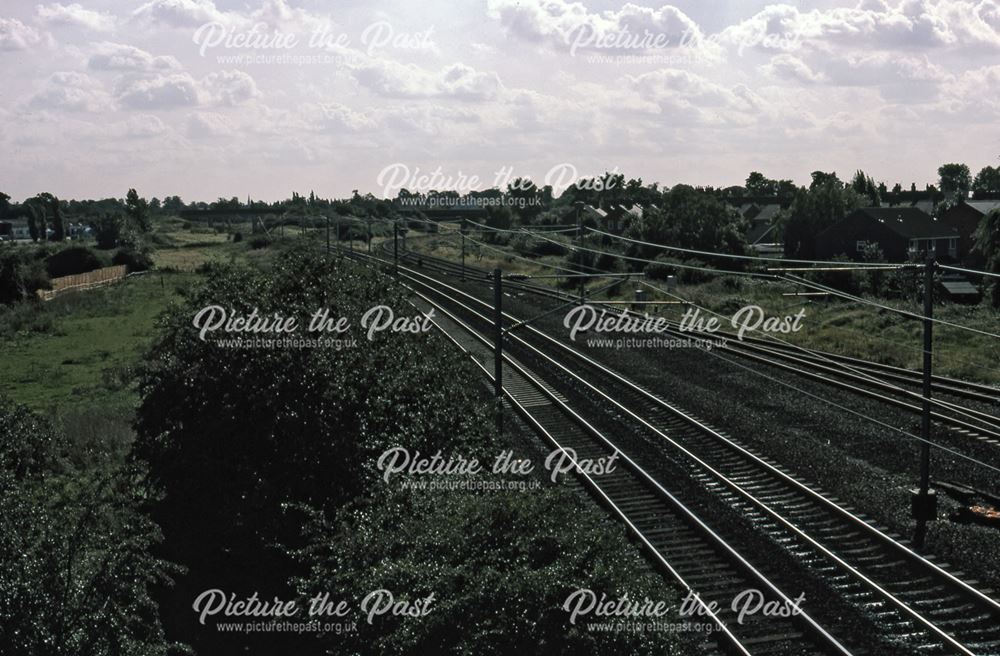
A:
x,y
759,185
310,435
108,230
4,205
75,549
137,210
825,203
689,218
512,559
58,226
987,180
821,178
954,179
173,204
987,238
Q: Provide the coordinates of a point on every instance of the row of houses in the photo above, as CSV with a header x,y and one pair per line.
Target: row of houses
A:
x,y
14,230
899,232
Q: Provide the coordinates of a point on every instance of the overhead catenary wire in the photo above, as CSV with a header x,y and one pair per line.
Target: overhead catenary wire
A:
x,y
937,402
969,271
858,299
732,256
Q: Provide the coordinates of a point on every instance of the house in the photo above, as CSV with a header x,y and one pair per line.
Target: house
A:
x,y
898,232
964,217
761,218
619,217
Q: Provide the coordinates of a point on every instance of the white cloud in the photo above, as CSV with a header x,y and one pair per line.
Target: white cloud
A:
x,y
15,35
337,116
229,87
75,15
390,78
180,13
571,27
182,90
872,24
791,68
143,126
122,57
209,124
162,92
71,91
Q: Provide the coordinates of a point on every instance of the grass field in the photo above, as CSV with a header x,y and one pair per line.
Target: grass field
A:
x,y
82,348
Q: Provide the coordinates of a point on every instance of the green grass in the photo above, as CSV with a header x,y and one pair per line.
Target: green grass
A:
x,y
82,349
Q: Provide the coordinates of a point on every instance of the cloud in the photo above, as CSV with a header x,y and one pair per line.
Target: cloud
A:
x,y
143,126
122,57
71,91
163,92
570,26
793,69
209,124
182,90
75,15
15,35
872,24
394,79
180,13
337,116
229,87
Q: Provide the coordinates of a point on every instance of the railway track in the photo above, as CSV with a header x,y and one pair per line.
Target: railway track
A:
x,y
914,601
873,380
691,553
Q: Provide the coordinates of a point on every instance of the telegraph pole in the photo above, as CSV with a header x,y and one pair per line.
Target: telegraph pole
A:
x,y
461,231
924,501
328,236
395,249
579,242
498,346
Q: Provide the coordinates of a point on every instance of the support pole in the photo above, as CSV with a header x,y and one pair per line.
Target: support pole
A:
x,y
328,236
369,236
395,249
579,242
498,346
462,232
924,503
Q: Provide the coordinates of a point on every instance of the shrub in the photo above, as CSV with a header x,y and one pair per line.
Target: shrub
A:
x,y
500,563
133,260
237,236
661,269
694,276
71,261
541,248
75,563
229,456
21,275
260,241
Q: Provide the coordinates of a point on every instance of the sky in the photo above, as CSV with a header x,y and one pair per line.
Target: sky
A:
x,y
260,98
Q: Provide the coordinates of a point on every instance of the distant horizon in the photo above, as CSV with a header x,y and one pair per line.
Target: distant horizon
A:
x,y
846,178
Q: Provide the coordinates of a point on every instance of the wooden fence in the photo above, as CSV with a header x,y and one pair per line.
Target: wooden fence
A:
x,y
89,280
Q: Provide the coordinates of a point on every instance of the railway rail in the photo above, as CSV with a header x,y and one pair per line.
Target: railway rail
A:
x,y
915,601
874,380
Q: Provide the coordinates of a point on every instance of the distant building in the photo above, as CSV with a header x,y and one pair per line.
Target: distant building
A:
x,y
898,232
964,217
619,217
761,218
